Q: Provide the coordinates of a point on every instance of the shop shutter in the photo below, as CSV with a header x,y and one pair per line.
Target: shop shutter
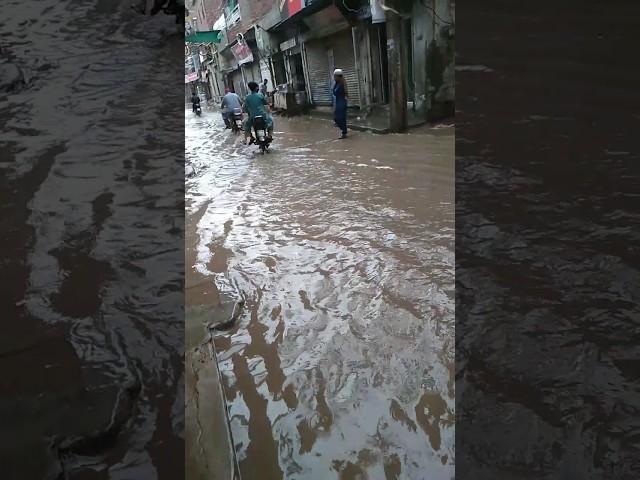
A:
x,y
319,73
344,58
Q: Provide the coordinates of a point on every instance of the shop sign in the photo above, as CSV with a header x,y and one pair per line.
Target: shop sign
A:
x,y
191,77
288,8
242,53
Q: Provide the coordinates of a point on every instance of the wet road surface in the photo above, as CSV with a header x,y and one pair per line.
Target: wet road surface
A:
x,y
547,181
92,338
341,364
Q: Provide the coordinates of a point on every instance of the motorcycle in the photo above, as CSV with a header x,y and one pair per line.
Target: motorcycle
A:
x,y
198,110
262,138
236,120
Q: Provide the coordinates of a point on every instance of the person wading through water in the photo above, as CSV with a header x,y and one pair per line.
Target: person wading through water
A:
x,y
340,95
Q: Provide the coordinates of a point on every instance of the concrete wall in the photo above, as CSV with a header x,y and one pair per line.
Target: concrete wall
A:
x,y
213,9
255,12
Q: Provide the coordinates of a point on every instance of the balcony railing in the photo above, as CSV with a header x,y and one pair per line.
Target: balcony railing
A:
x,y
232,15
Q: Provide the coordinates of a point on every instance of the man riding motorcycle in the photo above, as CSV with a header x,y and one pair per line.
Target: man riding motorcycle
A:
x,y
255,104
230,103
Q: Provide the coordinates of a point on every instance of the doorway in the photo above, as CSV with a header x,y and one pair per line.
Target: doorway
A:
x,y
380,64
279,70
297,73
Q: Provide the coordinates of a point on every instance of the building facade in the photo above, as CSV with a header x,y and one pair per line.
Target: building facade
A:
x,y
296,44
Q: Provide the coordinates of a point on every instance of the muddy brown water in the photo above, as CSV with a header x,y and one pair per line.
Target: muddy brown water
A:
x,y
92,337
342,363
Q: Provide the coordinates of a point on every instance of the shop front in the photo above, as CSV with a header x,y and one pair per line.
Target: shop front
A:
x,y
329,44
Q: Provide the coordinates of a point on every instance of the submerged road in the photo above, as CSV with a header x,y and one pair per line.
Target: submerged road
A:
x,y
341,363
91,201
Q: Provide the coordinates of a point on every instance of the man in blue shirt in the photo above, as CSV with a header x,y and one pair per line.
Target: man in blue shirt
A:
x,y
230,102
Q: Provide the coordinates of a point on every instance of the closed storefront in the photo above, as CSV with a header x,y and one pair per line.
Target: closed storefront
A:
x,y
319,72
341,49
323,56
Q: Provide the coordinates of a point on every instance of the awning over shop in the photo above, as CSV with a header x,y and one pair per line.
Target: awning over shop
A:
x,y
213,36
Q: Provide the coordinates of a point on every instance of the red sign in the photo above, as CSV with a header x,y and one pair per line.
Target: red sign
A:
x,y
294,6
290,7
191,77
242,52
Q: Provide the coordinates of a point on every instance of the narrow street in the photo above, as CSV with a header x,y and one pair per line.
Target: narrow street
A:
x,y
341,362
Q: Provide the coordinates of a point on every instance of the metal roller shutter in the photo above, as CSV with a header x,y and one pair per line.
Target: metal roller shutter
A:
x,y
344,58
319,73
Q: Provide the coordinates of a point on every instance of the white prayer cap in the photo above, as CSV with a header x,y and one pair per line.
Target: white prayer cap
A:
x,y
337,71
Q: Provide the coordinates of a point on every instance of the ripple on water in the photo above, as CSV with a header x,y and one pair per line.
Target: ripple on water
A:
x,y
342,363
97,272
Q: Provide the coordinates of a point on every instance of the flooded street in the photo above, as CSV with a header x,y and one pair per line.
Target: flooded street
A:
x,y
91,349
340,363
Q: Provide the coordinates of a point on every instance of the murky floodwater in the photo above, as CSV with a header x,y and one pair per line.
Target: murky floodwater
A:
x,y
92,349
547,185
342,362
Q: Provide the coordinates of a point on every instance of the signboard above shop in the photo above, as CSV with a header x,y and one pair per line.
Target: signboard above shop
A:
x,y
191,77
242,53
289,8
204,37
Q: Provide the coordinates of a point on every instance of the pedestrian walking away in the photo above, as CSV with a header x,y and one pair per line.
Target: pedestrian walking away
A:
x,y
341,96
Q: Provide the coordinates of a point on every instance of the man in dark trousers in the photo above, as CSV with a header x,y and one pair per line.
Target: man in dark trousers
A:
x,y
195,101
